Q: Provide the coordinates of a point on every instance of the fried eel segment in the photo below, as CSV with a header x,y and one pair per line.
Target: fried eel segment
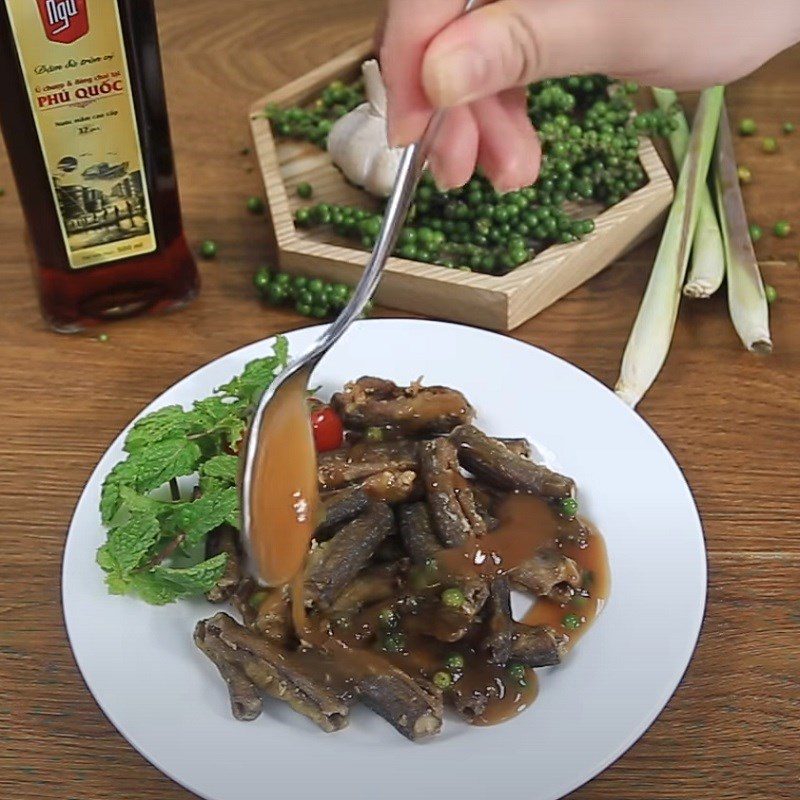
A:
x,y
339,468
494,463
507,640
452,502
225,540
279,673
549,573
373,585
334,564
416,532
413,708
414,410
246,703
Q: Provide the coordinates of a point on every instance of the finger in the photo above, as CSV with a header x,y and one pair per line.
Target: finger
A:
x,y
380,28
410,26
510,152
514,42
455,152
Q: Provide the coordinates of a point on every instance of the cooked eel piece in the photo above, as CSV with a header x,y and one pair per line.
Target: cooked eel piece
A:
x,y
472,705
281,674
494,463
241,600
415,410
334,564
548,573
338,468
246,702
341,507
274,615
393,486
416,532
507,640
373,585
499,623
452,503
519,446
224,540
414,708
537,645
448,624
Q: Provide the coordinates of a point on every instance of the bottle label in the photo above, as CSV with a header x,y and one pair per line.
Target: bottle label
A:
x,y
72,57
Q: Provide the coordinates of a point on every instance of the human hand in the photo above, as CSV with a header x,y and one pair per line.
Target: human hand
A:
x,y
477,65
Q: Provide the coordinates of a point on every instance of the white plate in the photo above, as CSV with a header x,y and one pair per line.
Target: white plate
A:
x,y
167,700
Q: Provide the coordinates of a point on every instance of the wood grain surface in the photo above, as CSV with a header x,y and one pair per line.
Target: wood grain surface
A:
x,y
732,420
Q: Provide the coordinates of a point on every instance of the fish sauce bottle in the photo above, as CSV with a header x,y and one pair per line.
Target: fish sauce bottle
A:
x,y
84,118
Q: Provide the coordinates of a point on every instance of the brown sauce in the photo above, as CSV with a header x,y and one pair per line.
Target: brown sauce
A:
x,y
285,494
526,524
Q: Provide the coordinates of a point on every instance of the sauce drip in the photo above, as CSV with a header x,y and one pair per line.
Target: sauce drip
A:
x,y
285,493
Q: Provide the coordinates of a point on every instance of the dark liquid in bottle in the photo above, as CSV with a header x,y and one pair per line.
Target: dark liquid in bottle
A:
x,y
103,213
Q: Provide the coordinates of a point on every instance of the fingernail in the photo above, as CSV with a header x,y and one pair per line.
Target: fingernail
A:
x,y
435,170
457,77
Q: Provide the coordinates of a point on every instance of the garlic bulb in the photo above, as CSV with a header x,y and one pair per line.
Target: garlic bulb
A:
x,y
358,142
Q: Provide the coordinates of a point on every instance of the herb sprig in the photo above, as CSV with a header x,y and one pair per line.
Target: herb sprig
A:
x,y
153,541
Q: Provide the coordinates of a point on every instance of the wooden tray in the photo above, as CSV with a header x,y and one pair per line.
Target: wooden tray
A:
x,y
497,302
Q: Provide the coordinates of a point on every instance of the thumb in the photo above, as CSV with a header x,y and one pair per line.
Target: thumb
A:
x,y
513,42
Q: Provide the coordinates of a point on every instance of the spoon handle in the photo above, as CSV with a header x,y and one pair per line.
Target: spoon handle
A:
x,y
412,163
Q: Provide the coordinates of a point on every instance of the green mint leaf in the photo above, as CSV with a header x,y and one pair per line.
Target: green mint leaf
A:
x,y
117,584
223,467
154,590
216,415
148,469
258,374
166,423
128,544
193,580
197,518
133,502
211,485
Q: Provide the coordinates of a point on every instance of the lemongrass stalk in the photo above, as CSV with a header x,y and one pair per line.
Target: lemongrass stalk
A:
x,y
652,331
747,300
707,268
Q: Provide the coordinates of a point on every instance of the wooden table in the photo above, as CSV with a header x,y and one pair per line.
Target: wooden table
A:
x,y
731,419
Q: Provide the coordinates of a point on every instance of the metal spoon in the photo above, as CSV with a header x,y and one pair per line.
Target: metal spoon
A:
x,y
411,166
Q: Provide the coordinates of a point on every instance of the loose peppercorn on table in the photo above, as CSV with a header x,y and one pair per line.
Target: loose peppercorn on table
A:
x,y
730,419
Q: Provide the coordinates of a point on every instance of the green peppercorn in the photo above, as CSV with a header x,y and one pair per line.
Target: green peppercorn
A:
x,y
454,662
373,434
516,671
443,680
572,621
568,506
103,337
756,231
277,293
261,279
788,127
769,145
255,205
208,249
387,618
303,217
394,642
745,176
771,292
782,229
305,190
453,598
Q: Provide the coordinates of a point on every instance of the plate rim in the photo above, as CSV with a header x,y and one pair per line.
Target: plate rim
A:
x,y
656,708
